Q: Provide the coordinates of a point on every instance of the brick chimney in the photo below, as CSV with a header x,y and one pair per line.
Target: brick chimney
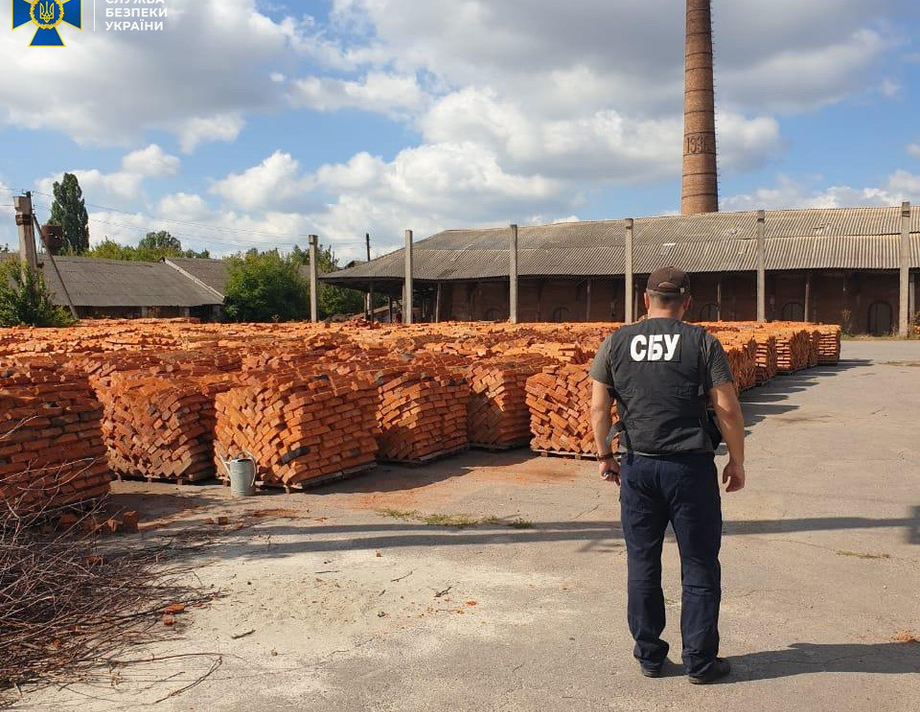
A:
x,y
700,188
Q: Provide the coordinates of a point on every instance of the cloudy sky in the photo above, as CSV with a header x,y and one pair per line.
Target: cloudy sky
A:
x,y
257,123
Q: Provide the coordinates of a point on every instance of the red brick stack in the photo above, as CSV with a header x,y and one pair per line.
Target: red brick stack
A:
x,y
421,414
51,449
559,399
497,413
829,344
158,428
298,426
766,357
793,348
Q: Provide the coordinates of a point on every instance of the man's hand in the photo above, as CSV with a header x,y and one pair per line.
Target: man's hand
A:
x,y
609,470
733,474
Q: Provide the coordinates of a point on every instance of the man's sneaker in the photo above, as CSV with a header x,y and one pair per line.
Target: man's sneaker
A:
x,y
650,671
719,669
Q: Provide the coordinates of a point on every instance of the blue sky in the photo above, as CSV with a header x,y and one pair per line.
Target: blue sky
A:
x,y
248,123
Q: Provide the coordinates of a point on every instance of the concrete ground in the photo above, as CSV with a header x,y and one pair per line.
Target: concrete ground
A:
x,y
355,602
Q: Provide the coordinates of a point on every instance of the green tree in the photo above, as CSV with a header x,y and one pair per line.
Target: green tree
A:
x,y
265,287
160,241
150,249
25,299
69,211
332,300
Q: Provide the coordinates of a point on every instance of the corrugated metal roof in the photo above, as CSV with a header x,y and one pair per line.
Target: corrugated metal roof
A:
x,y
115,283
841,238
212,273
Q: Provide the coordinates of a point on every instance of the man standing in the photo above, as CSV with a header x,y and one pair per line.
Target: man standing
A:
x,y
662,373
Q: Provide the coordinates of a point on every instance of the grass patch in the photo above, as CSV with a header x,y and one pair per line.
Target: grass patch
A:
x,y
456,521
858,555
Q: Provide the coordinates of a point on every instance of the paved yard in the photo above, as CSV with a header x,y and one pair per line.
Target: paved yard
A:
x,y
358,603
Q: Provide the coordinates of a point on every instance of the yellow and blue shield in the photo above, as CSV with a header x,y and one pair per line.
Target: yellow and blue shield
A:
x,y
47,15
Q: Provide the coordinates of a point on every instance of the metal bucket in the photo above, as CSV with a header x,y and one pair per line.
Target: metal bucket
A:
x,y
242,472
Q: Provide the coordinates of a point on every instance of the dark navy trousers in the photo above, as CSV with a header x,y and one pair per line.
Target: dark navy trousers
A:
x,y
682,490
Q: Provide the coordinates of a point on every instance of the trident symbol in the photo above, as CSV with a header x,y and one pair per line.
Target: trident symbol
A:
x,y
46,11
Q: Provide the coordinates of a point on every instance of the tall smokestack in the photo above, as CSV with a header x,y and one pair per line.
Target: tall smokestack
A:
x,y
700,190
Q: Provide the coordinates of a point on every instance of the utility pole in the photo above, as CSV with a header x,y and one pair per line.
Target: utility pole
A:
x,y
629,289
761,267
904,296
513,276
370,291
24,222
407,285
57,272
314,281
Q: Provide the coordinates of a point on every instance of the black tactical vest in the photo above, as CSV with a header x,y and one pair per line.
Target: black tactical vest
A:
x,y
659,374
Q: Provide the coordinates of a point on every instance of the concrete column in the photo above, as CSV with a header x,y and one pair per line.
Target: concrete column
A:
x,y
588,301
370,290
808,296
513,276
407,283
719,297
24,224
437,305
629,289
314,280
390,308
761,267
904,295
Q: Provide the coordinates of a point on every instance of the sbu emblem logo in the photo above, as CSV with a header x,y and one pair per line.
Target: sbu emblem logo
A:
x,y
47,15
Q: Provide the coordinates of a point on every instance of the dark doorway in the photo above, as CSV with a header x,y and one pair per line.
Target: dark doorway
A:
x,y
793,311
880,321
709,312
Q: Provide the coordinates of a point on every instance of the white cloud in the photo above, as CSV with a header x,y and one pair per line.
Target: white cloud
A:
x,y
151,162
379,92
184,206
117,188
274,181
789,193
198,130
214,60
913,149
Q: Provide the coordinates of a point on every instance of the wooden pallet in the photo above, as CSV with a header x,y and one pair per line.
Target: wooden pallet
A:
x,y
566,455
314,482
428,458
501,447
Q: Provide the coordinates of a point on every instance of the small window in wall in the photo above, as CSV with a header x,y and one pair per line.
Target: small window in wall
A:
x,y
560,315
709,312
793,311
493,315
880,316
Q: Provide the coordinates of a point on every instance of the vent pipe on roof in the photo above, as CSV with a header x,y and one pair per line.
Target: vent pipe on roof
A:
x,y
700,186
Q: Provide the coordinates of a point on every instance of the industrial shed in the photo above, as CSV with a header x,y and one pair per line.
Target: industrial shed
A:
x,y
831,265
127,289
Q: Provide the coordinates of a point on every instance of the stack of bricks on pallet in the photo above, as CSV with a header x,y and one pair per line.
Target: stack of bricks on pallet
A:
x,y
157,428
766,357
497,413
298,426
829,345
51,449
422,414
793,347
741,349
559,399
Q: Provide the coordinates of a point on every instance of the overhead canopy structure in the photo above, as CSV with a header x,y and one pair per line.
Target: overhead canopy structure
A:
x,y
842,238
